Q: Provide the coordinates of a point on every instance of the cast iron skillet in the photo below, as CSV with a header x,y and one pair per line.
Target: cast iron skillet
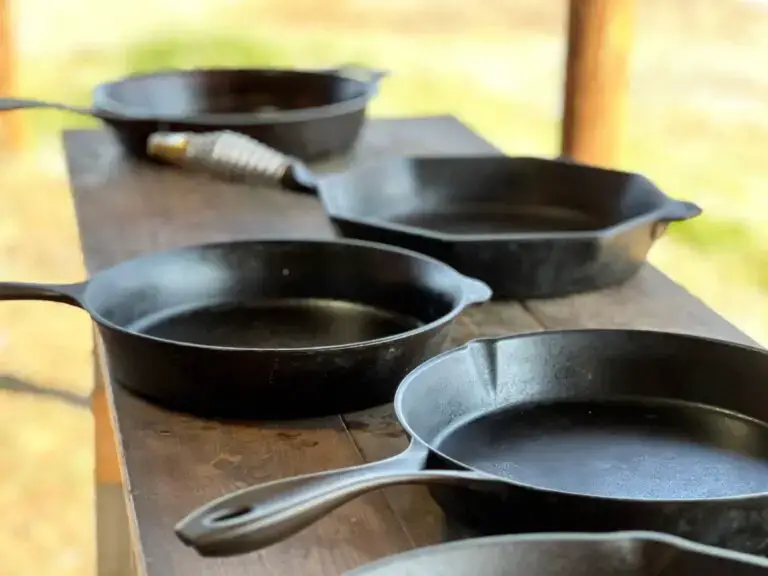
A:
x,y
268,329
307,114
584,430
612,554
529,227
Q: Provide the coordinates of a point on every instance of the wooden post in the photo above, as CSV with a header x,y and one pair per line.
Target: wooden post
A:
x,y
10,122
597,80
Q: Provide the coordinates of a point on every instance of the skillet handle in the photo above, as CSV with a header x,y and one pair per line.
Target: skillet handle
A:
x,y
257,517
8,104
65,293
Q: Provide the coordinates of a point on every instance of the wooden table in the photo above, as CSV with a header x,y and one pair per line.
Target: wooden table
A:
x,y
171,463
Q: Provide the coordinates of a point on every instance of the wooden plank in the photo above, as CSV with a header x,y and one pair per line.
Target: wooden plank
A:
x,y
174,463
597,80
649,301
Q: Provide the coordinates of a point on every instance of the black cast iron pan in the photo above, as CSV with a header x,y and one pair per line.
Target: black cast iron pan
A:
x,y
529,227
268,329
304,113
574,431
612,554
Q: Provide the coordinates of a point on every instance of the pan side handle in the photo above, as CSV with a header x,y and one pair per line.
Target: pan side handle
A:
x,y
679,210
256,517
65,293
674,211
476,291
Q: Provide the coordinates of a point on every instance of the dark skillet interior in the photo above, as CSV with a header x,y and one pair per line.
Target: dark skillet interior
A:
x,y
618,449
613,554
197,93
617,414
275,294
490,195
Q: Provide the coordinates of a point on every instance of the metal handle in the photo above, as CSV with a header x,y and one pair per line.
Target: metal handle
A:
x,y
65,293
476,291
7,104
257,517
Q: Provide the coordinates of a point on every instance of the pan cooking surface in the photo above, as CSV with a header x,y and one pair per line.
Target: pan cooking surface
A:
x,y
234,103
282,323
654,449
502,219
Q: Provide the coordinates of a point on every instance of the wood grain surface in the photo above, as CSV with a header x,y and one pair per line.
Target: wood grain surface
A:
x,y
174,463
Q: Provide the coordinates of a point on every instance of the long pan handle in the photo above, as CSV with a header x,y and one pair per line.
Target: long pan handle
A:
x,y
8,104
256,517
65,293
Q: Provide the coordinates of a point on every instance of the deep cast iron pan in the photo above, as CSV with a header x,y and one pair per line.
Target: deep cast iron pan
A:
x,y
268,329
307,114
573,431
612,554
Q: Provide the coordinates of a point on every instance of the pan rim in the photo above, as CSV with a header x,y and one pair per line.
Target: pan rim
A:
x,y
458,307
614,537
103,101
399,412
538,236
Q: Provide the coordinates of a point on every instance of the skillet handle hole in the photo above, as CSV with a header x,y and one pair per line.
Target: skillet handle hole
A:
x,y
230,514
